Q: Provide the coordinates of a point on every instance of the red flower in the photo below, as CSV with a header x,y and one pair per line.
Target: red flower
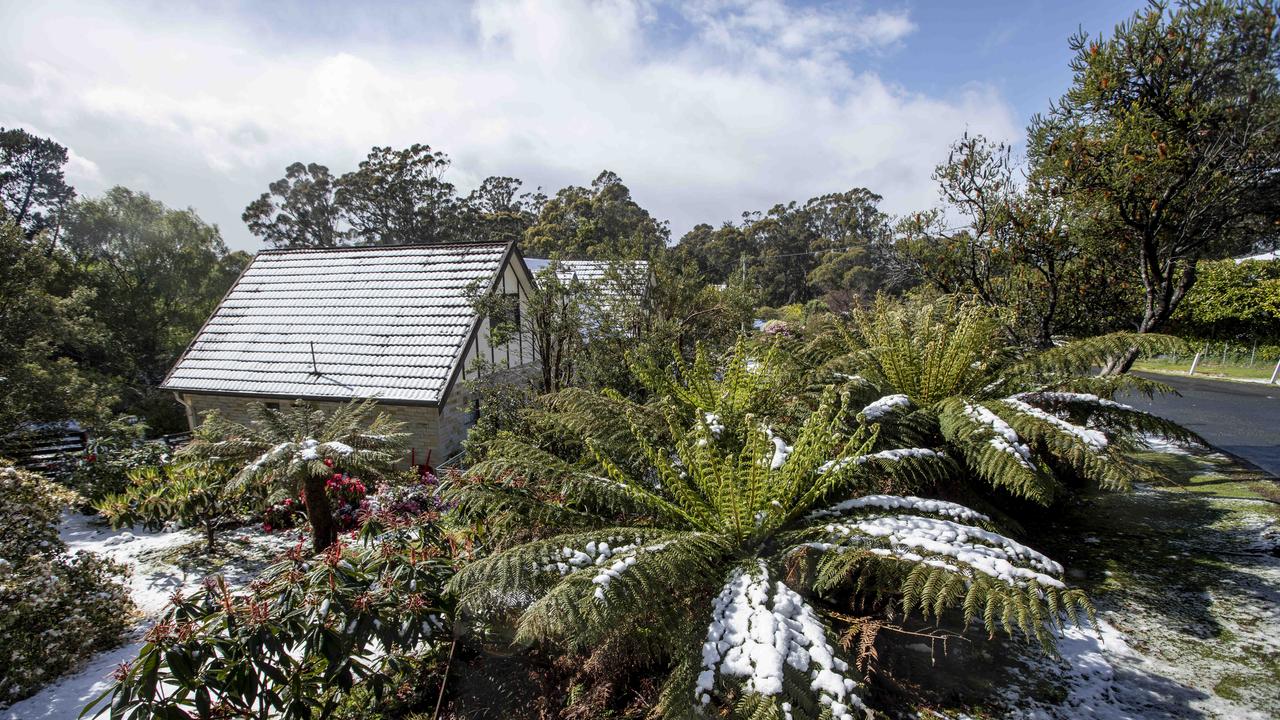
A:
x,y
328,462
266,526
90,457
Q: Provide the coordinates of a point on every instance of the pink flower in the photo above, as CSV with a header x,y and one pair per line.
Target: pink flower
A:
x,y
266,526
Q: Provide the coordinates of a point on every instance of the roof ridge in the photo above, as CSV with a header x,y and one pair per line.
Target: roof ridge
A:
x,y
399,246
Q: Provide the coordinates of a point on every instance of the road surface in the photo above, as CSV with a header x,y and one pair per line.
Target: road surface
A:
x,y
1240,418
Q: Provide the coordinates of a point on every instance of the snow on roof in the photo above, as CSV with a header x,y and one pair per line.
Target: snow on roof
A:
x,y
587,271
385,322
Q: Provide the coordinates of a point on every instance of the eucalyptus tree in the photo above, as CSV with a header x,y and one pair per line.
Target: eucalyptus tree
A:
x,y
298,210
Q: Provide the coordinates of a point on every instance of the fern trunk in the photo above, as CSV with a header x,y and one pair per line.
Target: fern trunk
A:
x,y
324,531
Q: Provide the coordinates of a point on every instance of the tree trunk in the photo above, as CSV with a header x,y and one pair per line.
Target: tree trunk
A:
x,y
324,531
210,542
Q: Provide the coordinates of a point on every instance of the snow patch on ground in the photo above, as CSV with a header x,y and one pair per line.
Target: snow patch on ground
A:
x,y
153,581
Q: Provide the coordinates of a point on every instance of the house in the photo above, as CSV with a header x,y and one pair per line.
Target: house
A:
x,y
620,284
330,325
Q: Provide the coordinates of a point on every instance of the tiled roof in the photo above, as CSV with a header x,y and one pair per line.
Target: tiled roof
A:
x,y
629,280
386,323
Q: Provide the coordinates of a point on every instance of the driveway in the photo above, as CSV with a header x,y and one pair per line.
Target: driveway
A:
x,y
1240,418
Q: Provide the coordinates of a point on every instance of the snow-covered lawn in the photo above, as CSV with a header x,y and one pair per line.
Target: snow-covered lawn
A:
x,y
161,563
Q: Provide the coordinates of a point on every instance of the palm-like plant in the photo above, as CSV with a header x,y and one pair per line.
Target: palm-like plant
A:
x,y
720,544
942,374
298,449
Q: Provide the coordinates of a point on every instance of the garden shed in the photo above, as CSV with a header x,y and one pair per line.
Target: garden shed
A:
x,y
392,323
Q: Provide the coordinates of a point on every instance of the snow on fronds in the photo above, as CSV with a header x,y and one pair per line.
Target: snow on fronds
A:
x,y
713,425
1093,438
1006,440
889,455
987,552
626,558
337,447
899,454
759,628
568,559
780,450
903,502
1072,397
884,406
597,553
268,456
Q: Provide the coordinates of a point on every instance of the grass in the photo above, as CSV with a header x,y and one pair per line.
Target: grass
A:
x,y
1213,475
1208,367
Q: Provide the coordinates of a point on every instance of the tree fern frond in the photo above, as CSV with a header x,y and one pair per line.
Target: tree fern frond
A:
x,y
993,450
1082,356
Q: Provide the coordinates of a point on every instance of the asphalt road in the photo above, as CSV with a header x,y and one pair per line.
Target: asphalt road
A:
x,y
1240,418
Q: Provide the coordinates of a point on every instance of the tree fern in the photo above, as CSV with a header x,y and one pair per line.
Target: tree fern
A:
x,y
298,448
696,526
1027,423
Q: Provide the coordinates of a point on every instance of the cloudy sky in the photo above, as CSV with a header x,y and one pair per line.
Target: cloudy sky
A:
x,y
705,108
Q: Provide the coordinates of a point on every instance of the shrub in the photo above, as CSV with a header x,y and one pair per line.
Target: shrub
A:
x,y
306,633
56,609
111,456
191,494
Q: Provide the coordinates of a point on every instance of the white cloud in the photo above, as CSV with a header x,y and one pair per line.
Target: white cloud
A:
x,y
742,105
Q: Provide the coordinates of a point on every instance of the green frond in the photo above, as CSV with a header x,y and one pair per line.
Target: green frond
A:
x,y
993,451
1080,357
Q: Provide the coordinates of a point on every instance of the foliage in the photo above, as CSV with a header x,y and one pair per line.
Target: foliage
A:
x,y
299,210
1169,136
191,494
394,196
1233,300
551,316
597,223
306,633
114,453
1018,248
56,609
156,274
399,196
830,245
298,450
717,545
939,374
39,381
33,188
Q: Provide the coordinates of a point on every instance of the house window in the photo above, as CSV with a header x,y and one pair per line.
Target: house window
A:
x,y
509,313
273,406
